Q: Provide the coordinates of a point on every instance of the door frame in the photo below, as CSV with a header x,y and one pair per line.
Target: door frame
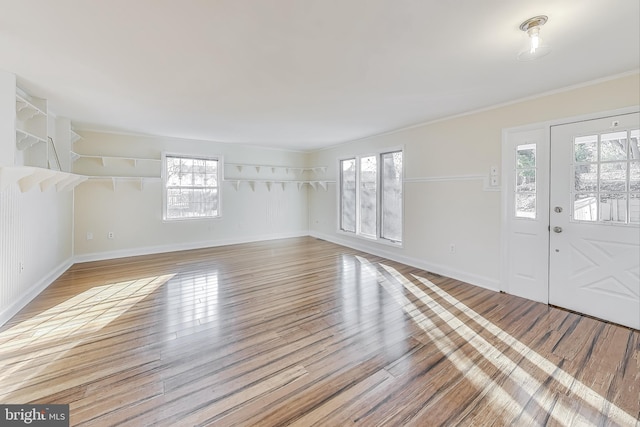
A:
x,y
508,249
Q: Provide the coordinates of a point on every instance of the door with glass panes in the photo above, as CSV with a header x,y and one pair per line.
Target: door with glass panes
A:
x,y
594,243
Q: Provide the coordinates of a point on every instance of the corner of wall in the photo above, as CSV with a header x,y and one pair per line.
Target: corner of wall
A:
x,y
15,307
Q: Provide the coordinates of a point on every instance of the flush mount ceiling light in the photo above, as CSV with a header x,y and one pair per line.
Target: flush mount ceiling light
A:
x,y
536,48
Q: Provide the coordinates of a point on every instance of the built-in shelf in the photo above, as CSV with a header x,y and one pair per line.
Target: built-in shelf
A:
x,y
25,139
31,131
27,177
26,110
104,159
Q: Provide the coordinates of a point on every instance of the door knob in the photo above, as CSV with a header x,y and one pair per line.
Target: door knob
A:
x,y
557,229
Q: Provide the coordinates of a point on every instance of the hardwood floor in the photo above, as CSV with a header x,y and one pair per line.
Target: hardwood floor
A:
x,y
305,332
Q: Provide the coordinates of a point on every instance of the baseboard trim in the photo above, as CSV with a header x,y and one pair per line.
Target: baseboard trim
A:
x,y
472,279
151,250
33,292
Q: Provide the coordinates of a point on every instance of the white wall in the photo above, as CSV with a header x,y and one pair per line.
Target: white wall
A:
x,y
134,215
445,207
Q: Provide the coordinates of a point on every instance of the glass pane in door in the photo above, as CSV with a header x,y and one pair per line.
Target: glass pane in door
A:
x,y
613,207
585,207
613,146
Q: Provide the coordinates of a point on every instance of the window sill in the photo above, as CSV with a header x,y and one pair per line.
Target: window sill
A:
x,y
208,218
379,241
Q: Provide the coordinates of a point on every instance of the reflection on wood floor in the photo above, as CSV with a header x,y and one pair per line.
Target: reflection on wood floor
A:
x,y
305,332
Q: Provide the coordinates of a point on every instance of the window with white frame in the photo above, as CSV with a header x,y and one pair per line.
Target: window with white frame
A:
x,y
606,178
191,187
371,196
525,189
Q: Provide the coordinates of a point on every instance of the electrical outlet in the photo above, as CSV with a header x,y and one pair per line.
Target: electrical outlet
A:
x,y
110,235
493,181
494,170
452,248
21,266
89,235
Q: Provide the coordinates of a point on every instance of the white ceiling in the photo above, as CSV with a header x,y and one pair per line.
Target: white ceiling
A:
x,y
300,74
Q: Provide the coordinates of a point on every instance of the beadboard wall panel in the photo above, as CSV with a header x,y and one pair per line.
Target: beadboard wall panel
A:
x,y
35,244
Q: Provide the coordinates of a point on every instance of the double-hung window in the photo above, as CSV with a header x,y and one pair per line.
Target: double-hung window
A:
x,y
371,196
191,187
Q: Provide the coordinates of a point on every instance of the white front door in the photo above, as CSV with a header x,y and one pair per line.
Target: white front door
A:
x,y
594,244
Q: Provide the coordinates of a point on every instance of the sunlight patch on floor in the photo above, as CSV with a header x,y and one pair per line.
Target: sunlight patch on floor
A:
x,y
533,388
455,355
527,383
60,328
572,385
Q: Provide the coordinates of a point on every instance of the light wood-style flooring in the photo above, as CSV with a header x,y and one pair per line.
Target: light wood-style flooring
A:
x,y
304,332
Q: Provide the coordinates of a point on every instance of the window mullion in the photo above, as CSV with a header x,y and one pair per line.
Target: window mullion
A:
x,y
357,205
379,191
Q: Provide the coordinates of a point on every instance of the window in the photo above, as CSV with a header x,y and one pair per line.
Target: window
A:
x,y
348,195
526,181
368,189
606,178
371,196
191,187
391,212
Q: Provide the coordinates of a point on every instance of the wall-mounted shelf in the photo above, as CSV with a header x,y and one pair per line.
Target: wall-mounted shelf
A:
x,y
315,184
27,177
283,183
104,159
114,180
274,175
32,148
274,168
74,136
26,110
25,139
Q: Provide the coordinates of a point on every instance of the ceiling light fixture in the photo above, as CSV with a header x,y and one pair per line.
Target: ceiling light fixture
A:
x,y
536,48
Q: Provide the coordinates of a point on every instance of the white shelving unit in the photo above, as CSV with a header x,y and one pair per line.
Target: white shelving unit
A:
x,y
31,130
27,109
31,118
26,140
27,177
25,163
272,175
